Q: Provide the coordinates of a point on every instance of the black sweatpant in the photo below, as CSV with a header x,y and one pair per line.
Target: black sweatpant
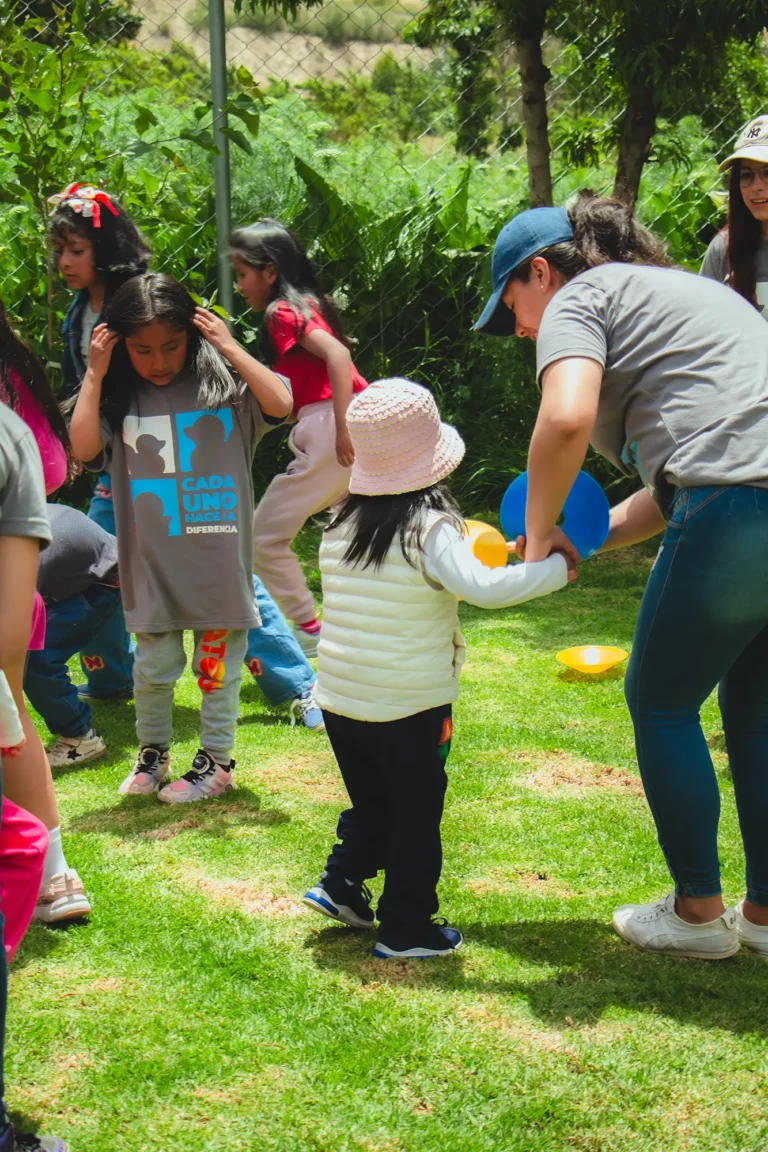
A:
x,y
394,773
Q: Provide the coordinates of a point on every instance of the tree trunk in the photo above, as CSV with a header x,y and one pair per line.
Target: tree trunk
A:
x,y
533,78
637,129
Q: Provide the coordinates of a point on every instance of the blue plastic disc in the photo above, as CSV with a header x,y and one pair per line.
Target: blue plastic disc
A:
x,y
586,513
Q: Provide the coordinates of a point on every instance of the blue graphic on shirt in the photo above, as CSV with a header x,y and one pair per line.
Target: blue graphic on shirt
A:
x,y
630,456
157,504
198,433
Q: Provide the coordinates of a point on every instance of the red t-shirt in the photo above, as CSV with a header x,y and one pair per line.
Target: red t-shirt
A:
x,y
307,373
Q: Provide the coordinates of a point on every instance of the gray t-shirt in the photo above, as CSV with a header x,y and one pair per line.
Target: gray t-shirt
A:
x,y
684,398
715,267
183,496
23,510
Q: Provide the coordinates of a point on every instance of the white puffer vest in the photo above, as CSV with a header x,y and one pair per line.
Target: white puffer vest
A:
x,y
390,644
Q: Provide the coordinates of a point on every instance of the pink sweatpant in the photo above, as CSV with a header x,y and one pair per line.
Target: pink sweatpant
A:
x,y
313,481
23,843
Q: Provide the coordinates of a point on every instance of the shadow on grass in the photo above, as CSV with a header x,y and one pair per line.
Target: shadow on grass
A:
x,y
144,818
571,676
40,941
594,970
348,949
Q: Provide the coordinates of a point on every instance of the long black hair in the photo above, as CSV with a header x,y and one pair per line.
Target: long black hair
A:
x,y
119,249
270,242
159,299
377,520
605,231
742,239
16,357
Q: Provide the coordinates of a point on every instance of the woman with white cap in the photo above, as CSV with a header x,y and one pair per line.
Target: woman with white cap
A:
x,y
738,255
666,374
393,561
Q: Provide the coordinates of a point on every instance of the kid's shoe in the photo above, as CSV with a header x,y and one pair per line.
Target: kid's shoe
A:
x,y
306,711
26,1142
85,692
61,898
204,780
342,900
73,750
434,939
658,928
307,640
149,773
752,936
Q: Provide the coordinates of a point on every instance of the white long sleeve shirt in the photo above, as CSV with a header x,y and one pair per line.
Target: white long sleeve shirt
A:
x,y
449,560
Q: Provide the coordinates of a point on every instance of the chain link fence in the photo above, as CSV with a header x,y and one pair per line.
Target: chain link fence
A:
x,y
388,134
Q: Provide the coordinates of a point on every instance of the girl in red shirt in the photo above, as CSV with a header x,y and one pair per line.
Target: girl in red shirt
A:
x,y
302,339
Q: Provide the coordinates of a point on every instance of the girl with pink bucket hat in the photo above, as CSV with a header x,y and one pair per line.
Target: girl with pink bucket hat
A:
x,y
393,562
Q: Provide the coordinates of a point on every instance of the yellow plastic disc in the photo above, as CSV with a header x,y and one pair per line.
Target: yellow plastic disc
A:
x,y
487,543
592,658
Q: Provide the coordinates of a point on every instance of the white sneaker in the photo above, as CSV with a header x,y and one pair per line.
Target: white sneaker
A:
x,y
307,641
204,780
306,712
753,936
658,928
62,898
69,751
148,774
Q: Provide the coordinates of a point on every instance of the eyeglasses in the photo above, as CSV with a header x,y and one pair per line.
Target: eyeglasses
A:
x,y
747,175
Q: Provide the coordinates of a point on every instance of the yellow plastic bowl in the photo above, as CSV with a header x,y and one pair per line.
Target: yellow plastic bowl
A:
x,y
487,543
592,658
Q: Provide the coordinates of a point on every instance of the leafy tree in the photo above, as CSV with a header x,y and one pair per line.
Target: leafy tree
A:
x,y
110,20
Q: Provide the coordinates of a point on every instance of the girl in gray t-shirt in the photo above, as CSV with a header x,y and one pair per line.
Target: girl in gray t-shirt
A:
x,y
666,374
162,408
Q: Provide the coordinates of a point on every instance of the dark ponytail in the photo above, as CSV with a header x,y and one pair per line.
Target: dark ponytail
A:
x,y
742,236
376,521
270,242
605,231
16,357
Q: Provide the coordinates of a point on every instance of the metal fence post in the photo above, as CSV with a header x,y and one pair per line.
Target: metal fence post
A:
x,y
221,179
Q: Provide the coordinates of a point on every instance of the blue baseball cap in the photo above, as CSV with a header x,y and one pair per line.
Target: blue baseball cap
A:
x,y
523,237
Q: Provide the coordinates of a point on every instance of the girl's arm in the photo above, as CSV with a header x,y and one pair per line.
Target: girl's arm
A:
x,y
85,426
570,396
449,560
338,361
636,518
269,389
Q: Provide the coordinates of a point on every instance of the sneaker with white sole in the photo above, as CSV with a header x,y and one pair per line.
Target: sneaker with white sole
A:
x,y
26,1142
342,900
149,773
433,939
658,928
307,641
204,780
62,898
752,936
69,751
306,712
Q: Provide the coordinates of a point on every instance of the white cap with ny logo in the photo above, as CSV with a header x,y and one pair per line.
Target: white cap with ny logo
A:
x,y
752,144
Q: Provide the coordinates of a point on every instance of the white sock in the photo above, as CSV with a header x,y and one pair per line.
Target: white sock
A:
x,y
55,862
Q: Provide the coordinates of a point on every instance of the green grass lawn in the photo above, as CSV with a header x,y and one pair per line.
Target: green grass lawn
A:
x,y
205,1008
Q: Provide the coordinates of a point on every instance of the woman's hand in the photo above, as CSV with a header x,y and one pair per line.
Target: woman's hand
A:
x,y
213,329
345,453
555,541
518,548
103,341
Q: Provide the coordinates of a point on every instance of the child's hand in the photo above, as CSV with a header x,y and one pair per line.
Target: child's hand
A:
x,y
103,341
517,547
556,541
15,749
345,453
213,329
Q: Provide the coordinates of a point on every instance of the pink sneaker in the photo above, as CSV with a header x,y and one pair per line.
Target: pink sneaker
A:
x,y
148,774
204,780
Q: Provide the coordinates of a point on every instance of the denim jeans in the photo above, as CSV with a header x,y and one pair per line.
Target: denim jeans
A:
x,y
704,621
274,657
112,672
84,624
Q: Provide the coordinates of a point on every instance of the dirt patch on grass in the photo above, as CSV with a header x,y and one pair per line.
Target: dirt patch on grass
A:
x,y
561,769
499,881
316,778
240,894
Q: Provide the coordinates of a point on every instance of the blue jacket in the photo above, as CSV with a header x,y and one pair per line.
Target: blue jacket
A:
x,y
72,364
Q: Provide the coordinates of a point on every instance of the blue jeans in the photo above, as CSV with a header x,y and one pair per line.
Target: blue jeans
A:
x,y
704,621
85,624
112,672
273,656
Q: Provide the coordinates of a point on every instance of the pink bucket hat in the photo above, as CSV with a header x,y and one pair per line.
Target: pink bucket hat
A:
x,y
400,444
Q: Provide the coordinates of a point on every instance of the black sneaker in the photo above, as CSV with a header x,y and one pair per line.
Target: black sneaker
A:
x,y
434,939
341,900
